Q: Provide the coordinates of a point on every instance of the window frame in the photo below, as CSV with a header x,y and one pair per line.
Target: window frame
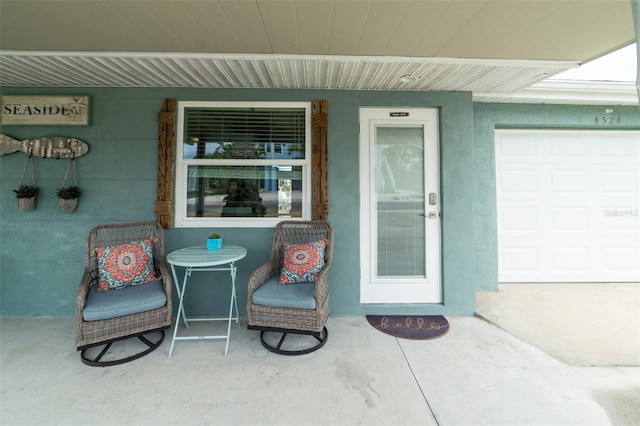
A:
x,y
182,165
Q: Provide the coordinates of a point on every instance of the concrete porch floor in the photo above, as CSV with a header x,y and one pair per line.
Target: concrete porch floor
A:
x,y
477,374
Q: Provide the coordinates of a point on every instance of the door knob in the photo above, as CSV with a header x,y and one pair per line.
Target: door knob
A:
x,y
433,215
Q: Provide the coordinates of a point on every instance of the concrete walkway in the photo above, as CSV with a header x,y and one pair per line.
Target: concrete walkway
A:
x,y
477,374
579,324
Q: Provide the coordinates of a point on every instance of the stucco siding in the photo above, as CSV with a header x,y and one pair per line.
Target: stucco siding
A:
x,y
41,252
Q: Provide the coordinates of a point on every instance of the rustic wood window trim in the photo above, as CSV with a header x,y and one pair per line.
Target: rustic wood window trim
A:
x,y
319,172
166,163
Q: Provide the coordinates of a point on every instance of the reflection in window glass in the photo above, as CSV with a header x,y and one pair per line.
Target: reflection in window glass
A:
x,y
244,191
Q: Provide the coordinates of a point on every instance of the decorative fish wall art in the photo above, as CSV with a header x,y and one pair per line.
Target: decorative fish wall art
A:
x,y
45,147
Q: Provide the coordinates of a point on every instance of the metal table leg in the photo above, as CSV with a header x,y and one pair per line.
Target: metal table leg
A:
x,y
233,302
181,312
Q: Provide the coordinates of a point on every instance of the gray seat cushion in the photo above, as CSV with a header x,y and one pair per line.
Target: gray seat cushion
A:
x,y
124,301
298,296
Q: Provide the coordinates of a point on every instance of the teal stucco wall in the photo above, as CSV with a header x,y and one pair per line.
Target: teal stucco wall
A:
x,y
41,252
487,118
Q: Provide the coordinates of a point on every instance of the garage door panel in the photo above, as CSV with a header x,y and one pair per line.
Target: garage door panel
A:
x,y
622,258
568,204
521,259
518,181
522,146
622,220
520,219
618,147
571,258
570,219
573,181
623,181
568,147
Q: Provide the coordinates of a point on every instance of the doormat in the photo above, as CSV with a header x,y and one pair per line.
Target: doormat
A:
x,y
415,327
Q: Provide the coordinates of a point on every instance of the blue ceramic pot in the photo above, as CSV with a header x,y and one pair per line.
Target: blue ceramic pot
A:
x,y
214,244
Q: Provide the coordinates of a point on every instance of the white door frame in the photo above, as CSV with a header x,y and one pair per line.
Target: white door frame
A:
x,y
380,290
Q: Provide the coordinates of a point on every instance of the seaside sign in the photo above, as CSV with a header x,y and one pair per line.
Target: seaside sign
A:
x,y
45,111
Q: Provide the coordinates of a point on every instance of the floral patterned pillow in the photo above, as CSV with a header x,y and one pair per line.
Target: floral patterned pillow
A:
x,y
302,262
125,265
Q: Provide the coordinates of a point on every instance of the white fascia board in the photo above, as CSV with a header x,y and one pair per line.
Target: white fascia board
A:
x,y
568,92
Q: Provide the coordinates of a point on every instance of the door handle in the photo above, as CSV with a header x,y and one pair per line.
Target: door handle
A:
x,y
433,215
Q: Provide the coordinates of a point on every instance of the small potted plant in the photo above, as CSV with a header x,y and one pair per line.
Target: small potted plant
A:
x,y
214,242
27,196
68,198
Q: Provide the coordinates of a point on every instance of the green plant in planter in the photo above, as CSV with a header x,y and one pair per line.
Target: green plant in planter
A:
x,y
27,196
68,198
26,191
214,236
68,193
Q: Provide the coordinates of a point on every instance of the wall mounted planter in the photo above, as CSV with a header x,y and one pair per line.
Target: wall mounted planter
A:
x,y
26,204
68,206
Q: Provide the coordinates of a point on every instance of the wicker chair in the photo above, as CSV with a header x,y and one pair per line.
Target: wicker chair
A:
x,y
282,317
144,314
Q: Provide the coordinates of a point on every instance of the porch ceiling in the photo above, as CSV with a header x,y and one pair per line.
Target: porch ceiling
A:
x,y
451,45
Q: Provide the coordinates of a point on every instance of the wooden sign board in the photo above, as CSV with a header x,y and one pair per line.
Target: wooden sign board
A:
x,y
45,111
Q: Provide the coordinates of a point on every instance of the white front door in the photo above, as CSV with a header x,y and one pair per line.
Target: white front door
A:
x,y
399,206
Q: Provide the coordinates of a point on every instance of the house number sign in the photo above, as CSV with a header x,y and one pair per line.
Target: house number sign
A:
x,y
607,119
45,110
604,120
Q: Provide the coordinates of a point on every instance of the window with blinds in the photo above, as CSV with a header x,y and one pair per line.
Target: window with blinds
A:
x,y
242,164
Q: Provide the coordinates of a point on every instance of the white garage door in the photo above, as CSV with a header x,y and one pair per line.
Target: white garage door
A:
x,y
568,206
